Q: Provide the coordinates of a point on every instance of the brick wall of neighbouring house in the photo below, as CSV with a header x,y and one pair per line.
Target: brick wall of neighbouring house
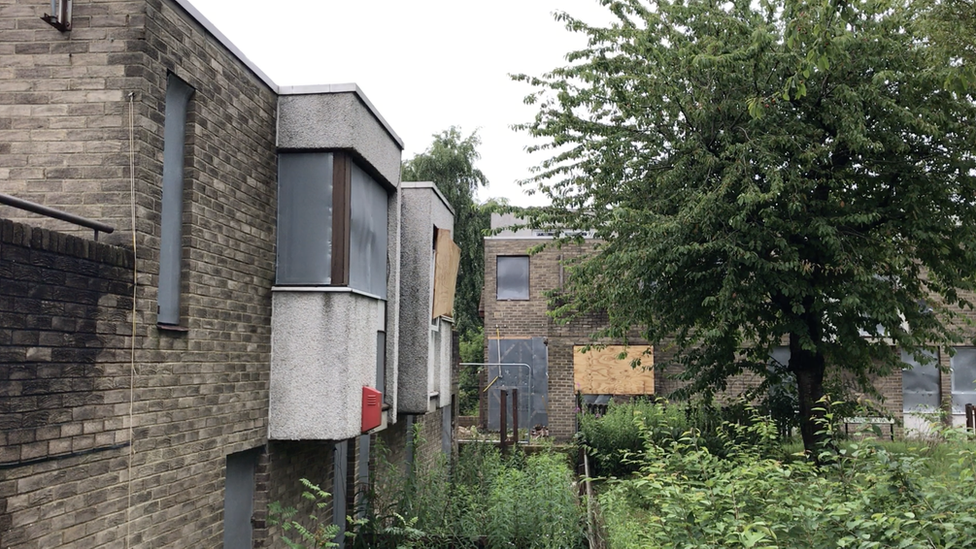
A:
x,y
530,318
515,319
64,388
64,132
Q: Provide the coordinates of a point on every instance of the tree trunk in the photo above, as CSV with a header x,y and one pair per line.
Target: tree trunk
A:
x,y
808,367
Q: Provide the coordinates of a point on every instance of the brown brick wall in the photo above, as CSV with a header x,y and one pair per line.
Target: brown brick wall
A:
x,y
528,318
199,394
63,436
514,319
63,117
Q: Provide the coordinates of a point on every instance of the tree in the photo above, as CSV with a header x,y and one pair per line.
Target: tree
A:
x,y
762,172
449,163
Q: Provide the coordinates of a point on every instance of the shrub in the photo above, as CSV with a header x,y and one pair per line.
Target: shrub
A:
x,y
863,496
616,439
316,532
520,501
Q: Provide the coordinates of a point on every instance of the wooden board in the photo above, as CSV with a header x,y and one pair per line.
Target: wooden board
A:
x,y
600,372
446,263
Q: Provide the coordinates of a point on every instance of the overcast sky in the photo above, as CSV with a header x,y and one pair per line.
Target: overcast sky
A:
x,y
424,64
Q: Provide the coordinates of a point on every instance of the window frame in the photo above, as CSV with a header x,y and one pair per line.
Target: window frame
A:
x,y
528,278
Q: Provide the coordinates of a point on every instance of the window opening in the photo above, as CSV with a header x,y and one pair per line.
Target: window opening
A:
x,y
512,277
963,379
178,94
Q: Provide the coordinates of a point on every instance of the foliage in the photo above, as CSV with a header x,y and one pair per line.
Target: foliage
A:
x,y
317,532
952,29
450,163
863,496
763,171
615,439
472,346
521,501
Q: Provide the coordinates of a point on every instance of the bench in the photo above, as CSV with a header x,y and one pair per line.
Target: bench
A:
x,y
870,421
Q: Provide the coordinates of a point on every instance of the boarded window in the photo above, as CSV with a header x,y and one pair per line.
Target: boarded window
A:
x,y
178,94
367,235
603,372
305,218
512,277
447,258
920,382
239,497
963,379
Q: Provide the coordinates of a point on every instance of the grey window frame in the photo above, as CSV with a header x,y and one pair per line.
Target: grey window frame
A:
x,y
509,295
349,184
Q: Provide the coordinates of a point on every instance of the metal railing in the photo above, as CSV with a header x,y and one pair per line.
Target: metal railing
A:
x,y
56,214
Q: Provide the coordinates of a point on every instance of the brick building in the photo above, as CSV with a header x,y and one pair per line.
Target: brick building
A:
x,y
160,386
515,310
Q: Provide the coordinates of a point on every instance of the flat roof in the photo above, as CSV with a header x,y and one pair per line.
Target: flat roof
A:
x,y
190,9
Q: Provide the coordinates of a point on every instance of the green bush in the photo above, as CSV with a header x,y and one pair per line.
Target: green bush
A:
x,y
524,502
863,496
616,439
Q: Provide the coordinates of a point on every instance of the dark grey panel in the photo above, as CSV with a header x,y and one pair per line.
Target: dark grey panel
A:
x,y
920,382
963,379
178,95
512,277
304,218
380,363
447,428
367,235
340,467
239,497
532,382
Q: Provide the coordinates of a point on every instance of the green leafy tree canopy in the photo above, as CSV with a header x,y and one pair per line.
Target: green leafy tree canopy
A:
x,y
764,172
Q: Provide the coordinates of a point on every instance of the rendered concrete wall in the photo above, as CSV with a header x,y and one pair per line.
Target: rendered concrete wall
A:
x,y
339,120
323,353
424,367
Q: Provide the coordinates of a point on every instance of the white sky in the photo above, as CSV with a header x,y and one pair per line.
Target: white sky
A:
x,y
424,64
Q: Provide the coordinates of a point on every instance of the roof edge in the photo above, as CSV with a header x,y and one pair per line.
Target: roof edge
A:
x,y
349,87
190,9
428,185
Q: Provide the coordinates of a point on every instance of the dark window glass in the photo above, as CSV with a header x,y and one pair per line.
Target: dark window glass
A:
x,y
920,383
305,218
367,234
963,379
512,277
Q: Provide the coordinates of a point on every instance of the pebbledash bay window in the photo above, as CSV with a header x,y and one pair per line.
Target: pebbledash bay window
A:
x,y
332,223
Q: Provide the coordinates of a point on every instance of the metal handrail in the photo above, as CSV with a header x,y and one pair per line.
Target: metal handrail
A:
x,y
56,214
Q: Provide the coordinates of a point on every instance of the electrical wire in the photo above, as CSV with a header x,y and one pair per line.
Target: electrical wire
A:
x,y
135,287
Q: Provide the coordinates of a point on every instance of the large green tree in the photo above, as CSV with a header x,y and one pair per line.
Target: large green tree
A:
x,y
450,163
764,172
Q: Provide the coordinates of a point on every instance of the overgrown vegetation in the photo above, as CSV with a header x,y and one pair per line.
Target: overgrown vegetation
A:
x,y
482,499
862,494
616,440
317,532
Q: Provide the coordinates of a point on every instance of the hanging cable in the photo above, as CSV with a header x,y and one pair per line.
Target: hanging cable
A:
x,y
135,287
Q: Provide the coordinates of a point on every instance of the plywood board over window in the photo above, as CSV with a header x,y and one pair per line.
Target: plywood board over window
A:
x,y
601,372
446,262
